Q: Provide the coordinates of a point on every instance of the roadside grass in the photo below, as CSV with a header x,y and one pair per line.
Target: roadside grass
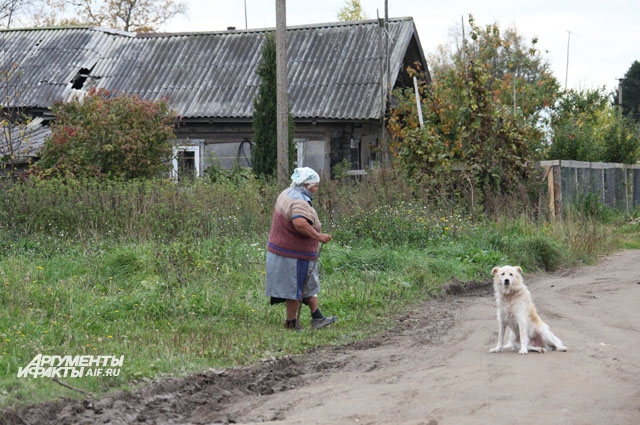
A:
x,y
189,298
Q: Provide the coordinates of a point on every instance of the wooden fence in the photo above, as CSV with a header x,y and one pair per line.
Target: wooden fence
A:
x,y
614,185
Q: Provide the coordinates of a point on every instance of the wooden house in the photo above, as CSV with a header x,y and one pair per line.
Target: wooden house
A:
x,y
339,74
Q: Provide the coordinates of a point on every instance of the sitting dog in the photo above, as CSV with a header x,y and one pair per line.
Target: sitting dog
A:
x,y
517,312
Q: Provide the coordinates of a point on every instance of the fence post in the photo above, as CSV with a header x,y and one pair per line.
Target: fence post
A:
x,y
636,187
557,189
610,187
626,188
554,185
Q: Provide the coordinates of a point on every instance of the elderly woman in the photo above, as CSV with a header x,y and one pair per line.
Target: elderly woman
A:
x,y
292,250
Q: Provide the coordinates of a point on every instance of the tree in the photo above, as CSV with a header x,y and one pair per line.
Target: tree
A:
x,y
574,122
517,72
586,127
482,113
352,11
631,92
108,136
127,15
51,13
264,152
622,141
11,9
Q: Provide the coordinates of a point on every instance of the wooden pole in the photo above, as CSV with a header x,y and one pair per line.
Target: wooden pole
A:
x,y
552,197
620,80
282,93
557,190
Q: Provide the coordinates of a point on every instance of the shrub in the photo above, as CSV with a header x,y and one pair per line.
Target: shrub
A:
x,y
121,137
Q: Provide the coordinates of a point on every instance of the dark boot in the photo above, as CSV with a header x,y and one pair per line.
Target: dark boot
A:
x,y
292,324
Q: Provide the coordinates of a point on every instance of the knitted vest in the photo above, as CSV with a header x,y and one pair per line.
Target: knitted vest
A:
x,y
284,240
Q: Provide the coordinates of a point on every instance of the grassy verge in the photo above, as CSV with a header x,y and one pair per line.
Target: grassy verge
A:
x,y
185,300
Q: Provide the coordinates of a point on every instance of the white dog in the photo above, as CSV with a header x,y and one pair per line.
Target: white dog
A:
x,y
517,312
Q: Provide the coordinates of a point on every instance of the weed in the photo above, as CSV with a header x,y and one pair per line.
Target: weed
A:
x,y
172,276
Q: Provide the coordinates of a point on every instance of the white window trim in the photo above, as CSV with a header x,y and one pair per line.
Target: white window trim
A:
x,y
194,146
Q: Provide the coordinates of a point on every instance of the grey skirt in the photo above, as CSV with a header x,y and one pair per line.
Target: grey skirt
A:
x,y
286,277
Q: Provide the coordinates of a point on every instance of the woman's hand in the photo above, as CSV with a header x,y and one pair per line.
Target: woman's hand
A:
x,y
302,226
324,237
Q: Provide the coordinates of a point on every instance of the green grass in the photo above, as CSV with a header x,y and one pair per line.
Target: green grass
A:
x,y
178,304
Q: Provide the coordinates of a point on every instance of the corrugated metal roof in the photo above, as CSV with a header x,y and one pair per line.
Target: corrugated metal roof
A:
x,y
334,69
25,140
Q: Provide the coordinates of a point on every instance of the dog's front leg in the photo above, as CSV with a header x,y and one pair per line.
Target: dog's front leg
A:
x,y
524,337
502,325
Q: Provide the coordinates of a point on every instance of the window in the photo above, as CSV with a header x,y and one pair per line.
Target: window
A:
x,y
186,161
355,154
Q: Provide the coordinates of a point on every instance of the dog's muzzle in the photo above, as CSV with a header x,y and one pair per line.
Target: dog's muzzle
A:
x,y
506,282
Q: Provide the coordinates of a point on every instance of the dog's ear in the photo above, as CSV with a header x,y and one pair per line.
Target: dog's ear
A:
x,y
495,270
519,269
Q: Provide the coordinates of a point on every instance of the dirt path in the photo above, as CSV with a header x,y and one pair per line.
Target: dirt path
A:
x,y
433,369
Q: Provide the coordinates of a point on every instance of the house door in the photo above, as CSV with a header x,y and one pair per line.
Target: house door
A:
x,y
311,153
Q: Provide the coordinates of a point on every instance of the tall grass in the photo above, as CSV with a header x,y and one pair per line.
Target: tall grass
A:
x,y
172,276
146,209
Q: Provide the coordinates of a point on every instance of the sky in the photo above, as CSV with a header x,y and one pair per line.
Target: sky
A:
x,y
589,44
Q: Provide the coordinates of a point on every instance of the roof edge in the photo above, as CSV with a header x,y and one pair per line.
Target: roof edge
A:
x,y
272,29
72,27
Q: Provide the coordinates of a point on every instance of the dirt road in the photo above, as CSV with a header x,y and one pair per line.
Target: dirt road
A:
x,y
434,368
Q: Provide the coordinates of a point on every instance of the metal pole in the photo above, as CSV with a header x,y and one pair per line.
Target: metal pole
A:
x,y
418,103
282,93
246,26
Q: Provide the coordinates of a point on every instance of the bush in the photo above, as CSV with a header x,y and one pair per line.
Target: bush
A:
x,y
117,137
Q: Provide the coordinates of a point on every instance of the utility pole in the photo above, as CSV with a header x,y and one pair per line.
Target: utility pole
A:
x,y
246,26
387,84
566,75
282,93
620,80
387,57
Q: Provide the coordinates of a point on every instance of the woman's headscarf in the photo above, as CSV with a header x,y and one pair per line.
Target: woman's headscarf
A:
x,y
304,175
